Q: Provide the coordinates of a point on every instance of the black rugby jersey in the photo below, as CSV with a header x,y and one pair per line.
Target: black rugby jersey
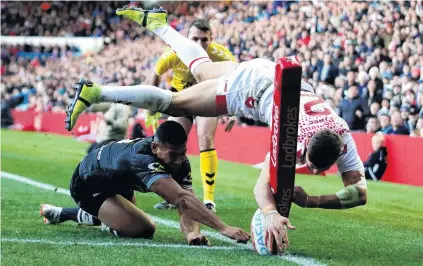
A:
x,y
128,164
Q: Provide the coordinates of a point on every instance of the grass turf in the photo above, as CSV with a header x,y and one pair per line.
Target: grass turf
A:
x,y
387,231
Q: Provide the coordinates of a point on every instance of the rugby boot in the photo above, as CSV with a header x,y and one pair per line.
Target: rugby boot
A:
x,y
150,19
87,93
210,205
50,213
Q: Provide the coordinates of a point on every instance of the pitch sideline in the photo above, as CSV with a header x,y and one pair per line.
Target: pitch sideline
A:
x,y
305,261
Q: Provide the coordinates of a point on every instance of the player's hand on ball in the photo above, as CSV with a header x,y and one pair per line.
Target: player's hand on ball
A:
x,y
275,226
300,197
197,239
236,233
230,124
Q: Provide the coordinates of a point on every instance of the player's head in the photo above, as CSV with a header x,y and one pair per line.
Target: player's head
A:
x,y
169,144
200,32
323,149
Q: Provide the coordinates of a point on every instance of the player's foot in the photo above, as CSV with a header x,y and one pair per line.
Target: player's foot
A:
x,y
210,205
87,93
107,229
50,213
150,19
164,206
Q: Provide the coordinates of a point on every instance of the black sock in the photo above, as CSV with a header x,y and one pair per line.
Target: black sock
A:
x,y
78,215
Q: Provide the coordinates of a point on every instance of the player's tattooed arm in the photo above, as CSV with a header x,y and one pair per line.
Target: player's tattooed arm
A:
x,y
352,195
191,228
193,208
187,224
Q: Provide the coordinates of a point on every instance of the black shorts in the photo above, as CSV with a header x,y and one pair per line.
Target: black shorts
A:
x,y
189,117
90,202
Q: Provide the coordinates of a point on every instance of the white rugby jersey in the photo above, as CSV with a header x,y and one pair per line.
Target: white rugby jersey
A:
x,y
314,115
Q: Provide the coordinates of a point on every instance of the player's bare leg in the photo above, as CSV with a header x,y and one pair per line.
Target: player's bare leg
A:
x,y
125,219
199,100
191,53
213,70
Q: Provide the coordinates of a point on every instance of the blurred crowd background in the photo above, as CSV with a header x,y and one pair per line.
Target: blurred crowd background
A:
x,y
364,58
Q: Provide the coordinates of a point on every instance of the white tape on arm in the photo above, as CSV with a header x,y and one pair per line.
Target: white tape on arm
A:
x,y
349,196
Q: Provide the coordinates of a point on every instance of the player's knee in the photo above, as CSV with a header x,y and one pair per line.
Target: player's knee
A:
x,y
146,231
206,142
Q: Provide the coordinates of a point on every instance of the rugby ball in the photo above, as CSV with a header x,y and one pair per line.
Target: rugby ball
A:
x,y
258,237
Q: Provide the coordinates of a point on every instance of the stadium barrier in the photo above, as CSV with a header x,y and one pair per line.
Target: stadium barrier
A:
x,y
249,145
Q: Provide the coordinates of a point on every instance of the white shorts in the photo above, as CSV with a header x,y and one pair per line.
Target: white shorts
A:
x,y
248,90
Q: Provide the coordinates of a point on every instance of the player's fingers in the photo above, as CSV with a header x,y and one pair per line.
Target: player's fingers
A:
x,y
269,242
290,226
244,237
228,127
207,242
203,240
284,237
279,240
241,237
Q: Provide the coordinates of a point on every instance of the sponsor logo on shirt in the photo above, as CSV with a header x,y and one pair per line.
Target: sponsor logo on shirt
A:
x,y
156,167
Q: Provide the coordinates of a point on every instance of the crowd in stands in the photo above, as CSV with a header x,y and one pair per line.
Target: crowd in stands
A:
x,y
364,58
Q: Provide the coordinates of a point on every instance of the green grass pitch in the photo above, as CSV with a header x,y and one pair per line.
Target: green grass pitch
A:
x,y
387,231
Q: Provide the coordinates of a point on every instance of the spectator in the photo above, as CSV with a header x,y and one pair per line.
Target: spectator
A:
x,y
373,95
405,112
397,125
374,108
328,71
385,122
354,110
419,126
376,164
7,103
372,125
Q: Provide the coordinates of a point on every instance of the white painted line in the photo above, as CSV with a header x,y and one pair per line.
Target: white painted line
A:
x,y
305,261
111,244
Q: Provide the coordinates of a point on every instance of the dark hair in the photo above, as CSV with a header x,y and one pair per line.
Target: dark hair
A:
x,y
369,117
324,148
200,24
171,132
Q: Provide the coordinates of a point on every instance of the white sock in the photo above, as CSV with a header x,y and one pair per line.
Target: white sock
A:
x,y
142,96
191,53
84,217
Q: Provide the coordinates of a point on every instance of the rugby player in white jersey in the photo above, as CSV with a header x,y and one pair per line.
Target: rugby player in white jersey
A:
x,y
245,89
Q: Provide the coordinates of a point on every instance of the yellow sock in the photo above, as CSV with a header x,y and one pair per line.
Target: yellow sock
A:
x,y
208,168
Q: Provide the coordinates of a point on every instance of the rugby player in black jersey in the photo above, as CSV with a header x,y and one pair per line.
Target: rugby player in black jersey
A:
x,y
103,186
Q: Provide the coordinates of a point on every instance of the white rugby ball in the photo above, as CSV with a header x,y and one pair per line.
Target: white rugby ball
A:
x,y
258,234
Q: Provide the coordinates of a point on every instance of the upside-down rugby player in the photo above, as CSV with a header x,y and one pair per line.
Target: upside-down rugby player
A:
x,y
200,32
244,89
103,185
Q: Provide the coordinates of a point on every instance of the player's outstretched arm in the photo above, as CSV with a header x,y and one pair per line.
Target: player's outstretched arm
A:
x,y
275,224
191,228
352,195
193,208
